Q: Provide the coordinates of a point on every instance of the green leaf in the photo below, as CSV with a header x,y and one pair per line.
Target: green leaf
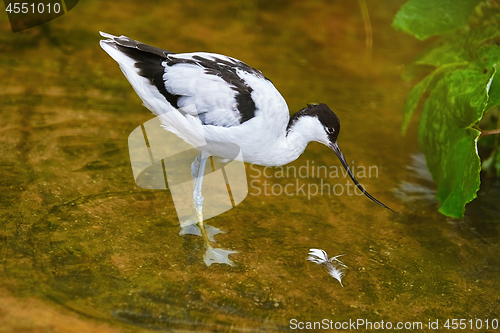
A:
x,y
424,18
494,92
418,90
489,57
458,97
413,98
416,93
463,47
456,103
456,52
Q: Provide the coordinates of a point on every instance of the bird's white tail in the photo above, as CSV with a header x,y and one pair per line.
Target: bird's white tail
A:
x,y
143,67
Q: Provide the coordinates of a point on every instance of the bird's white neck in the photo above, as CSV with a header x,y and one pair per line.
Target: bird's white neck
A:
x,y
304,130
299,133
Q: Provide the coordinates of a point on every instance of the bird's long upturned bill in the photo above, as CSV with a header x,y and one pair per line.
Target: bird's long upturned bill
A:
x,y
341,157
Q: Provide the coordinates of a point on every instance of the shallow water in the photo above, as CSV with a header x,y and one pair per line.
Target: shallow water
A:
x,y
82,243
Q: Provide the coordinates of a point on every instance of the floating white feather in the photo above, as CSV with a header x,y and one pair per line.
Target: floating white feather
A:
x,y
337,273
320,257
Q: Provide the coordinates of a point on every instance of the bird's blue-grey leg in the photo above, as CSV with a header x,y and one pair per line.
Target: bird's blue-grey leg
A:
x,y
212,255
201,160
193,228
190,227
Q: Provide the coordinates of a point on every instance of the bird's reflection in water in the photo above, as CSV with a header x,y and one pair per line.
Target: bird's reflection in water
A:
x,y
421,188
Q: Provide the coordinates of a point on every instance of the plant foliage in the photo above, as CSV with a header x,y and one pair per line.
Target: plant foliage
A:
x,y
462,86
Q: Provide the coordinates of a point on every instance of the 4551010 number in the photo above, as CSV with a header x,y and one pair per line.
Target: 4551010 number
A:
x,y
471,324
33,8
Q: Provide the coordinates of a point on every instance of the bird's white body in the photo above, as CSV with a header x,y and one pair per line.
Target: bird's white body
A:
x,y
263,139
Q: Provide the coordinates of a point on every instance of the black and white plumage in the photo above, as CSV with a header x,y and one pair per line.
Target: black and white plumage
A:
x,y
215,102
215,98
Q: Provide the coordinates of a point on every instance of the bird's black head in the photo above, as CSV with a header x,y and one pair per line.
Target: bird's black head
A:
x,y
326,117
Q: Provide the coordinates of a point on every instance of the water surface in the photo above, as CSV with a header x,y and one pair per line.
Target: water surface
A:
x,y
81,242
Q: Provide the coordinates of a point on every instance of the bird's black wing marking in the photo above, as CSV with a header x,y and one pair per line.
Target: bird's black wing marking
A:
x,y
227,70
133,44
148,61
